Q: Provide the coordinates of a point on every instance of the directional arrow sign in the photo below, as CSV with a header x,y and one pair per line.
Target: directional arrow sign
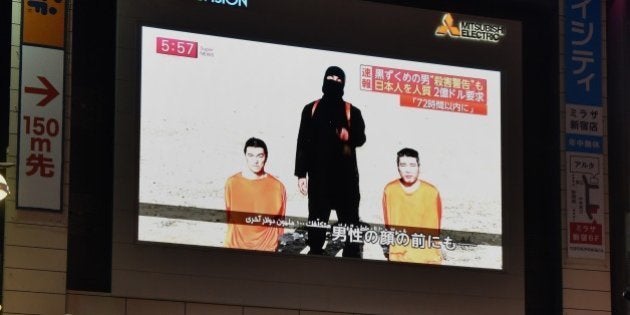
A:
x,y
49,91
40,152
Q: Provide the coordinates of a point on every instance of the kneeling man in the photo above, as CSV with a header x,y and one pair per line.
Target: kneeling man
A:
x,y
413,205
251,196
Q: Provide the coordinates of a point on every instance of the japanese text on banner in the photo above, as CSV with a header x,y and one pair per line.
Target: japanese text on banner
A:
x,y
583,52
585,203
428,90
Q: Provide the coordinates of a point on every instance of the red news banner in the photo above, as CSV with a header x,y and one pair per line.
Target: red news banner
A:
x,y
428,90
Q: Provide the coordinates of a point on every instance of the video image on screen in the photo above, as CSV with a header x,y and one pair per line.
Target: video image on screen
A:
x,y
268,147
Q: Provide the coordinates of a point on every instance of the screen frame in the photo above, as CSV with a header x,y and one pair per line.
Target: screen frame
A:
x,y
512,232
503,140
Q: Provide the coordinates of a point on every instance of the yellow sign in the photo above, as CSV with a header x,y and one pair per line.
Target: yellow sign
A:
x,y
447,26
44,22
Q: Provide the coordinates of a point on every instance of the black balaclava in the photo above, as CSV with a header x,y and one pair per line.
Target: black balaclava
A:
x,y
333,89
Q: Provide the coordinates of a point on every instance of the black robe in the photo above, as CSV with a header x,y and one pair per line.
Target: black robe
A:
x,y
330,163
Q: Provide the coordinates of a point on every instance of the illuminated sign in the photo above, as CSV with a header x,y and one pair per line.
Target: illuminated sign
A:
x,y
40,150
232,3
44,23
209,96
40,159
585,199
471,30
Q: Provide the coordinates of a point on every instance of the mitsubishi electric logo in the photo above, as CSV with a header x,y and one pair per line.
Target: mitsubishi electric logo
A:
x,y
470,30
231,3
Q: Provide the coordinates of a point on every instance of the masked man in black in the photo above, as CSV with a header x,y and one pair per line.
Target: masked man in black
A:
x,y
330,131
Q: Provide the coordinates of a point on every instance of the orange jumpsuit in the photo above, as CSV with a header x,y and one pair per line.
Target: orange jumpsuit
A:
x,y
248,198
417,212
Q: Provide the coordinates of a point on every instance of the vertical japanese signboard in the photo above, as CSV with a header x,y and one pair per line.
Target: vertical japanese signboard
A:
x,y
40,153
584,129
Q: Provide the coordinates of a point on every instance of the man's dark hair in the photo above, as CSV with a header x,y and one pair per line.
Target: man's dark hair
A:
x,y
407,152
256,143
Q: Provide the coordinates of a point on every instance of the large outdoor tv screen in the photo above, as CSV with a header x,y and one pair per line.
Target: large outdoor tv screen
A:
x,y
265,147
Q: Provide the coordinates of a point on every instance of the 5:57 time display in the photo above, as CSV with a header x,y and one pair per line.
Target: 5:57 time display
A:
x,y
176,47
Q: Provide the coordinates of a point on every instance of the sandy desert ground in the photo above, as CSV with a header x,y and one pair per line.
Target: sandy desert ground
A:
x,y
174,225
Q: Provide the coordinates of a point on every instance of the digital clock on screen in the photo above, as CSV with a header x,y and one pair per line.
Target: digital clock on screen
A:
x,y
176,47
